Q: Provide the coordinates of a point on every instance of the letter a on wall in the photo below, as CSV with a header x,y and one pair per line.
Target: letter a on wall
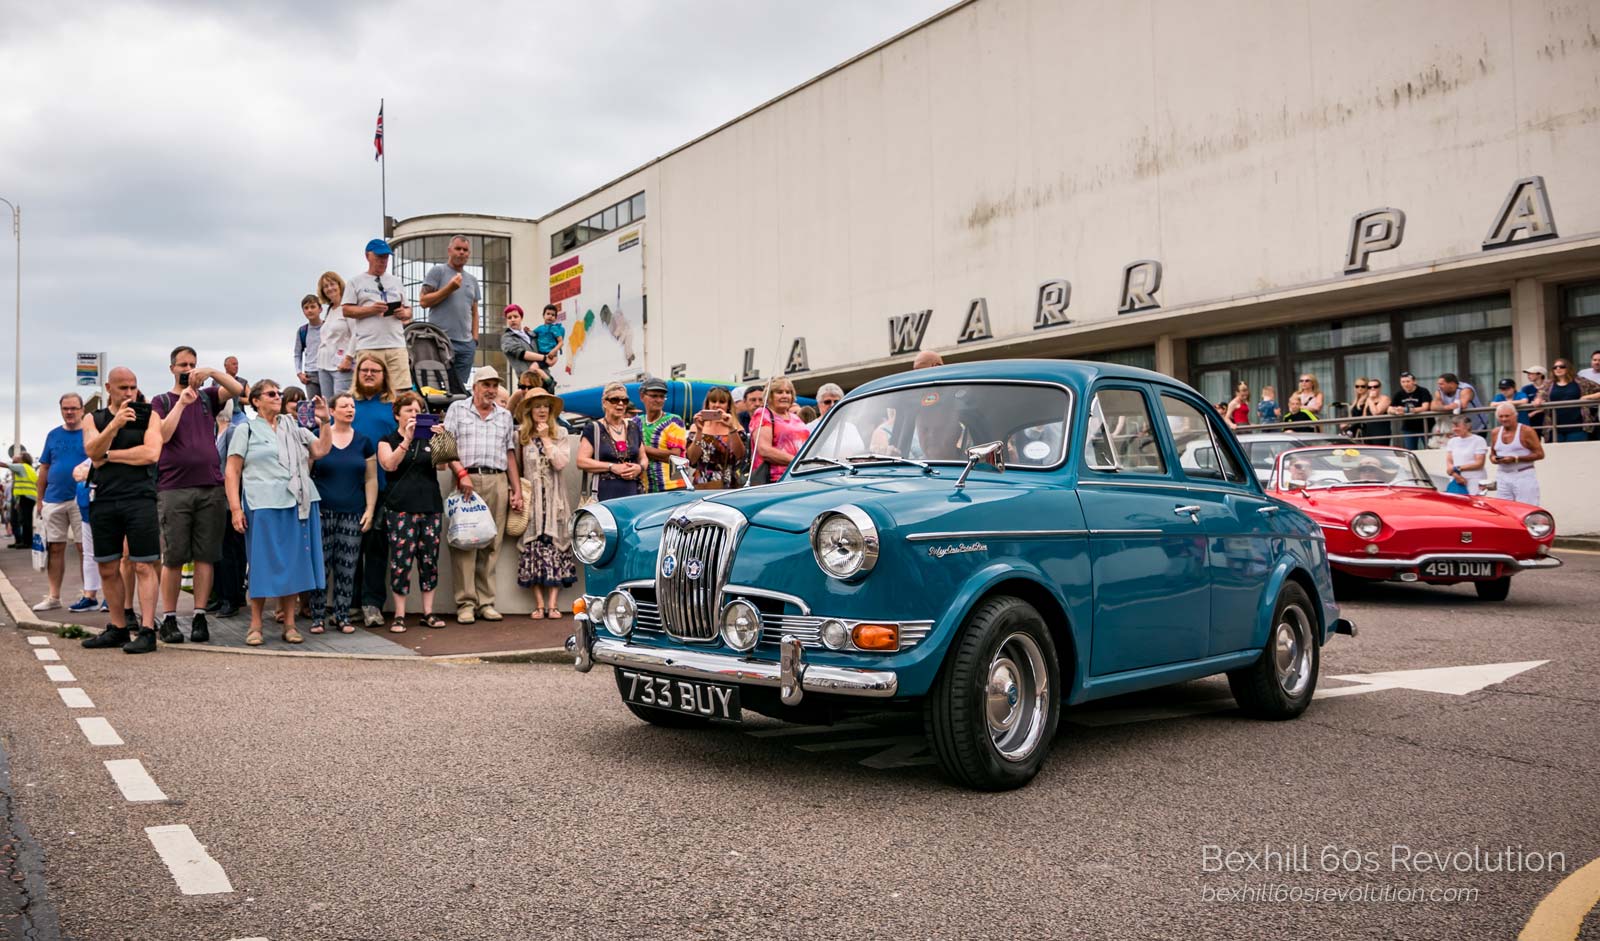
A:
x,y
976,326
798,360
1524,217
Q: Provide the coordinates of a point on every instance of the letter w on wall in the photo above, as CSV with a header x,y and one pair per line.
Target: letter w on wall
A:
x,y
906,330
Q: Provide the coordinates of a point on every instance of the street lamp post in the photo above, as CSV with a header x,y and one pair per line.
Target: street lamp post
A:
x,y
16,395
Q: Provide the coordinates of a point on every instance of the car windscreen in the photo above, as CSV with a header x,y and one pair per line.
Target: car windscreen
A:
x,y
937,422
1263,454
1315,468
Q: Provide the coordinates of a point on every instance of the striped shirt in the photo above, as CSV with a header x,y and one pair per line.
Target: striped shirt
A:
x,y
481,442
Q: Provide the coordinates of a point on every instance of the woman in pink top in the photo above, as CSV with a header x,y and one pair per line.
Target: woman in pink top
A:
x,y
778,432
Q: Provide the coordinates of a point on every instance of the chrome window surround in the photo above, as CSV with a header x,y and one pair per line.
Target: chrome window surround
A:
x,y
1066,422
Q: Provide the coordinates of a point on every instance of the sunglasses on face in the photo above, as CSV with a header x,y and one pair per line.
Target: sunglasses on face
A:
x,y
270,394
616,400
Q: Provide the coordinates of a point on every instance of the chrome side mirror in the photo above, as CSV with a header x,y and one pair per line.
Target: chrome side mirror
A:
x,y
993,453
682,467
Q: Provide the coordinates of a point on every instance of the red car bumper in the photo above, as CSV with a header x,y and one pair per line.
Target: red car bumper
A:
x,y
1438,567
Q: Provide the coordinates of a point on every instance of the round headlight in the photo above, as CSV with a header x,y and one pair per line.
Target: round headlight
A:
x,y
1540,524
835,636
741,625
589,536
845,542
618,613
1366,525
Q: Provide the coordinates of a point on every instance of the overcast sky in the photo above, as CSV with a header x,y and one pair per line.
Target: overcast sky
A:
x,y
186,169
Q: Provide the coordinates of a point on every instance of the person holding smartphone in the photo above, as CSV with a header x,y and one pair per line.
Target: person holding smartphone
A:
x,y
375,305
125,446
717,445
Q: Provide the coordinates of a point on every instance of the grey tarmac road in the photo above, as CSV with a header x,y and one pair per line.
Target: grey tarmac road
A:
x,y
363,800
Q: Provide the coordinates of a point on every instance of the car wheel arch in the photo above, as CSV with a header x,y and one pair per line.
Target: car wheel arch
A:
x,y
1050,607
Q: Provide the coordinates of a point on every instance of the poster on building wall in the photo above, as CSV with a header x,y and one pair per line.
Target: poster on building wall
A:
x,y
600,292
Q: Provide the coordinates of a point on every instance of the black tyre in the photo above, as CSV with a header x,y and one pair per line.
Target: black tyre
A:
x,y
992,713
1496,589
666,718
1279,685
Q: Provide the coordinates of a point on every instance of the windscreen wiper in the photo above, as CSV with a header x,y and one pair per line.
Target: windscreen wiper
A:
x,y
892,459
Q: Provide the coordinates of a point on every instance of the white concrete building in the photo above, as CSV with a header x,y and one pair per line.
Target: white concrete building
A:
x,y
1221,190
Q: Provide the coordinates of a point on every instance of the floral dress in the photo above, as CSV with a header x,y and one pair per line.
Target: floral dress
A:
x,y
717,468
546,559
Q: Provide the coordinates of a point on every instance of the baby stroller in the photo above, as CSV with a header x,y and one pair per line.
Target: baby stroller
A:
x,y
431,353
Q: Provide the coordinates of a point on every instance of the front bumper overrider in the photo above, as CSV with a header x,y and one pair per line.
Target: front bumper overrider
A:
x,y
791,675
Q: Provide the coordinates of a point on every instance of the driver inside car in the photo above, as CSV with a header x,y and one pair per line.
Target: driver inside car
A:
x,y
1369,471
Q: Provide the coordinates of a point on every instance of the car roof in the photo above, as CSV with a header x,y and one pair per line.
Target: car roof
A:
x,y
1075,374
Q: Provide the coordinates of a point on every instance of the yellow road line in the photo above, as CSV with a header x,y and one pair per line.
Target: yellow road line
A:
x,y
1578,551
1560,916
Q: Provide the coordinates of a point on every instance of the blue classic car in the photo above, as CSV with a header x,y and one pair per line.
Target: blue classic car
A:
x,y
986,542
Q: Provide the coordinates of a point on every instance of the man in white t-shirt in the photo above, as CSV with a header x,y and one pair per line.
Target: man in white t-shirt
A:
x,y
375,304
1465,456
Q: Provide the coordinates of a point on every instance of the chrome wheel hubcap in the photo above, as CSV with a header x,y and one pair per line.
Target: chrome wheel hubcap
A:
x,y
1016,697
1291,650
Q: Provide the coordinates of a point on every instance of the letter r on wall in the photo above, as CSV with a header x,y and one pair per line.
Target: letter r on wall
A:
x,y
1376,230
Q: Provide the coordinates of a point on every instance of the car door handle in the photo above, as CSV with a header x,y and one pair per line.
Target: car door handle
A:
x,y
1267,510
1193,512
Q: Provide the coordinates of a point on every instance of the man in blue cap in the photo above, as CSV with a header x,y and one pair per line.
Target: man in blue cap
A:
x,y
375,304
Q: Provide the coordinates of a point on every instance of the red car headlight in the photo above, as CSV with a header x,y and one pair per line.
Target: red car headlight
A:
x,y
1540,524
1366,525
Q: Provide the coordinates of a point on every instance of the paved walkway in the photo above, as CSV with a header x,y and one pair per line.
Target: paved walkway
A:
x,y
517,633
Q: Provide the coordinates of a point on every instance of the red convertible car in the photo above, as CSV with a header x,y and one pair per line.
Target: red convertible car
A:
x,y
1385,521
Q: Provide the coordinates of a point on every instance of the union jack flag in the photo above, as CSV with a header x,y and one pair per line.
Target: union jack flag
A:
x,y
377,136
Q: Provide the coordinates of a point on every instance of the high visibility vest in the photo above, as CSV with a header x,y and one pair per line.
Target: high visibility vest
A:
x,y
24,481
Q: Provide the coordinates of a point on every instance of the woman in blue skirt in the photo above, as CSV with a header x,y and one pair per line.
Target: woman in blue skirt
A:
x,y
274,504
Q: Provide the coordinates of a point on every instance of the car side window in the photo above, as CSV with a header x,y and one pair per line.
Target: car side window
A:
x,y
1194,436
1119,436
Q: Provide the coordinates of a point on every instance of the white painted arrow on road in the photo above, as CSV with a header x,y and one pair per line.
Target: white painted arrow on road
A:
x,y
1455,681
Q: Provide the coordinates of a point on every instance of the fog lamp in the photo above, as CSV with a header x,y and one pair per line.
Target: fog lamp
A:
x,y
618,613
741,625
1372,548
877,636
835,636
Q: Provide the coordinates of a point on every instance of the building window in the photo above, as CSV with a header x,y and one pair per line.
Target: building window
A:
x,y
1580,321
1471,338
605,221
490,263
1141,357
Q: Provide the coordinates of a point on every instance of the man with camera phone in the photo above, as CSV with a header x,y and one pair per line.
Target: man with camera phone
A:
x,y
125,447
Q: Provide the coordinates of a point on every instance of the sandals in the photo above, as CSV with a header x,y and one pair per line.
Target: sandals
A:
x,y
536,614
398,627
432,620
292,636
555,614
347,628
316,627
253,638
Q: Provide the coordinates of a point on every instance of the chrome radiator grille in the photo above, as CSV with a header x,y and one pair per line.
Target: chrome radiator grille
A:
x,y
696,552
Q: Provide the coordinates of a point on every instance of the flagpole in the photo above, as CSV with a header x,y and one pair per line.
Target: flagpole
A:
x,y
383,176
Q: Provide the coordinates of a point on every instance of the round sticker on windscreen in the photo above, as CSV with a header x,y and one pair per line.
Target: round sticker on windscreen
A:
x,y
1036,450
931,399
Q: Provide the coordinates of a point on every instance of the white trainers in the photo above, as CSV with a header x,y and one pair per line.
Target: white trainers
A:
x,y
48,604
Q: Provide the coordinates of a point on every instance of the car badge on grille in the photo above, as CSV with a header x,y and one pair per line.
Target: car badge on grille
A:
x,y
669,565
1466,536
693,569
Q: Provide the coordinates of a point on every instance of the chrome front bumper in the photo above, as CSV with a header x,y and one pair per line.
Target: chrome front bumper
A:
x,y
1378,562
791,675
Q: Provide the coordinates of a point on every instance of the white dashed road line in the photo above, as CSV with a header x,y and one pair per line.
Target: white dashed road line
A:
x,y
75,698
135,782
60,674
39,641
99,732
193,868
46,653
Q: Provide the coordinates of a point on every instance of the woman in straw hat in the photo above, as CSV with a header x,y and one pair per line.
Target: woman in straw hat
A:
x,y
546,564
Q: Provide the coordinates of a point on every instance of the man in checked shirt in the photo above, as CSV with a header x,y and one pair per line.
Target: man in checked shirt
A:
x,y
486,464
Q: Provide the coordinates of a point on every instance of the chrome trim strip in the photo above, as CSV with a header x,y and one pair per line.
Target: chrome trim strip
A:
x,y
765,593
806,628
724,668
1234,491
997,534
1376,562
1127,532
